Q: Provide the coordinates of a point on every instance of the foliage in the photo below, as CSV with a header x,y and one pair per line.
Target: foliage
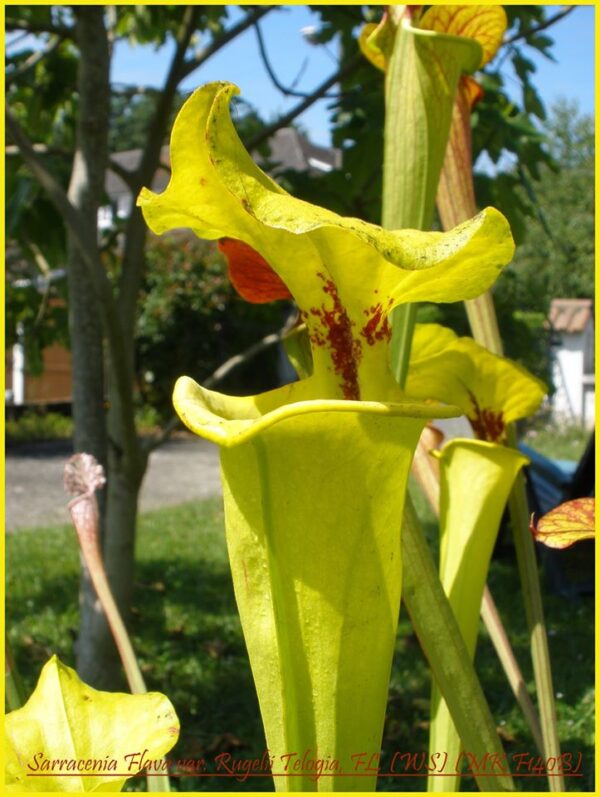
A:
x,y
557,256
571,522
132,112
131,115
500,125
564,441
195,656
555,170
46,101
35,425
192,320
35,302
43,317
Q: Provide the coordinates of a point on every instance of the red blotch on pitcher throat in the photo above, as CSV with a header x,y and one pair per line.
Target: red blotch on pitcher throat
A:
x,y
334,332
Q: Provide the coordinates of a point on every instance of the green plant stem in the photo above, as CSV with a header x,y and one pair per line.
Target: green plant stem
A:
x,y
532,598
482,317
412,165
456,203
14,692
484,326
403,327
408,198
493,623
441,640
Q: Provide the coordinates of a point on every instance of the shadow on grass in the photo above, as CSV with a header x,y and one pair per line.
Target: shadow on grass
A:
x,y
190,646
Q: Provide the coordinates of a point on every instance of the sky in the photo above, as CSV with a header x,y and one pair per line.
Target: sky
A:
x,y
572,75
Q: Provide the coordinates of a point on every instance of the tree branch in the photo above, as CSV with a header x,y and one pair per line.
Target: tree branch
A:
x,y
54,190
33,59
220,41
127,90
126,175
542,26
135,233
40,149
38,27
43,149
317,94
87,248
219,375
13,42
288,91
135,237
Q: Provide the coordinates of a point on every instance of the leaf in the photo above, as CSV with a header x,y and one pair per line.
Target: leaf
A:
x,y
523,66
372,53
376,42
569,523
421,84
297,348
542,43
491,390
440,638
66,721
532,102
475,481
250,274
312,508
485,24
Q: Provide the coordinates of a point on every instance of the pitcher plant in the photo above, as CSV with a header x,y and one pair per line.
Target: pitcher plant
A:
x,y
314,473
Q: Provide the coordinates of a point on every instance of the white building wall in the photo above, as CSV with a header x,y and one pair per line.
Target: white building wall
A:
x,y
574,399
18,369
589,379
567,375
589,405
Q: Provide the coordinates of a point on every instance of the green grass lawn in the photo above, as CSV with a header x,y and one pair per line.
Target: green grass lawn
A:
x,y
188,639
567,441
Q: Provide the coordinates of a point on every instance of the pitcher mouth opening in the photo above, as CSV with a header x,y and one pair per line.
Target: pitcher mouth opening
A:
x,y
230,420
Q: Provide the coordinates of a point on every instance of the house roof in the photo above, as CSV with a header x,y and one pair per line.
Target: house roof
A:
x,y
130,159
289,149
570,315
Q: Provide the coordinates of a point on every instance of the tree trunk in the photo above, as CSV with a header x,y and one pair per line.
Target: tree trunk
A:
x,y
112,437
126,474
85,190
99,657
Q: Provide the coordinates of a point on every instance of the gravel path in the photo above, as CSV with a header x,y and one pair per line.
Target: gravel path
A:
x,y
183,469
